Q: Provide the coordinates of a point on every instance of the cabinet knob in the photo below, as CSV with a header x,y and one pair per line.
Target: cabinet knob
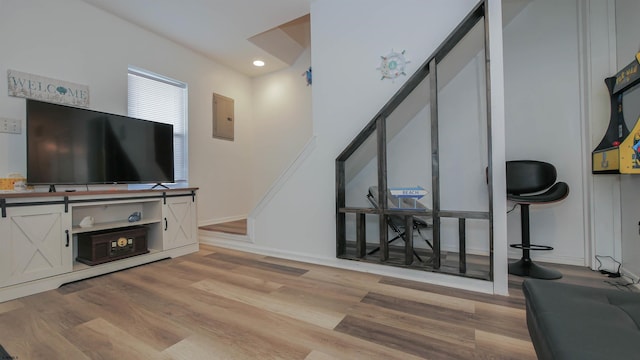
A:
x,y
166,224
67,232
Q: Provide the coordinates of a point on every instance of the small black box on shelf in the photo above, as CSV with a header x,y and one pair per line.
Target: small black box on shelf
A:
x,y
108,245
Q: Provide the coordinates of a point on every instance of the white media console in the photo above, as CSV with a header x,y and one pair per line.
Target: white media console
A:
x,y
39,233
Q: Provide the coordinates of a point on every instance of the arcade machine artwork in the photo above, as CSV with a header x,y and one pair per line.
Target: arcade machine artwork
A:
x,y
619,150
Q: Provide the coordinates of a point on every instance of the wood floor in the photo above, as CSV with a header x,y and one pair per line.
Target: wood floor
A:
x,y
224,304
238,227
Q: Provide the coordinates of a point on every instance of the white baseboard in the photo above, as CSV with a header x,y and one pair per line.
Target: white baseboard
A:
x,y
213,236
540,256
635,279
221,220
284,177
271,192
453,281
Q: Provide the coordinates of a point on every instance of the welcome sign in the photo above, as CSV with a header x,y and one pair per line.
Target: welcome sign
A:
x,y
46,89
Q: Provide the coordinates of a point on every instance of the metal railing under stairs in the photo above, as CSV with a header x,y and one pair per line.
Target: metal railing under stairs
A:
x,y
377,126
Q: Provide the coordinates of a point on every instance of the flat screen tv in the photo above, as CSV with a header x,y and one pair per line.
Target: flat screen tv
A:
x,y
75,146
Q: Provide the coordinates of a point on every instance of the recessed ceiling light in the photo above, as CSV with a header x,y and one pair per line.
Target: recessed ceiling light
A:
x,y
258,63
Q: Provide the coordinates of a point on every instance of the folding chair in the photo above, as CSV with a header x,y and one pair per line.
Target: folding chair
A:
x,y
397,223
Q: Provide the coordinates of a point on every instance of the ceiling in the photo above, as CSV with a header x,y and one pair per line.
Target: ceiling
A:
x,y
235,33
232,33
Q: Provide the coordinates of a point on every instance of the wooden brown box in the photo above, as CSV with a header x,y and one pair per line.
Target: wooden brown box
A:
x,y
108,245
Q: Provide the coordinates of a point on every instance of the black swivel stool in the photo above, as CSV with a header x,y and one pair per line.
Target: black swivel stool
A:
x,y
532,182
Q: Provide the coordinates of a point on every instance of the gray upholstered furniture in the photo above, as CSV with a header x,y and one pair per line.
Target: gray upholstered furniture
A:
x,y
576,322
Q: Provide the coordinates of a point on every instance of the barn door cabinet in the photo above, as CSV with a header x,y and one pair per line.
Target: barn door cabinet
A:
x,y
36,243
40,233
180,227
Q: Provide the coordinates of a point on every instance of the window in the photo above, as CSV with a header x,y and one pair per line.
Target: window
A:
x,y
158,98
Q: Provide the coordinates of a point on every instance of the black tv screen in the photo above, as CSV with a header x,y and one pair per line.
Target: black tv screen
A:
x,y
68,145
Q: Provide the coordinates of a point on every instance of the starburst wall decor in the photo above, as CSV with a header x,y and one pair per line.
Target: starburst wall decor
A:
x,y
393,65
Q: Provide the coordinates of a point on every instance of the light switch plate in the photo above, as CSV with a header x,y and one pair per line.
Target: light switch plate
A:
x,y
11,126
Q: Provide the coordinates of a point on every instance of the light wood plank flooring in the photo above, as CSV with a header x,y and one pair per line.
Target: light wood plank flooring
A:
x,y
224,304
238,227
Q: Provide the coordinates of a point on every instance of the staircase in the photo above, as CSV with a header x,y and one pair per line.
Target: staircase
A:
x,y
371,148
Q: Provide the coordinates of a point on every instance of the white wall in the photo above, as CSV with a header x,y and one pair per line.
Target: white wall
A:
x,y
598,61
628,44
463,157
543,120
282,122
348,39
73,41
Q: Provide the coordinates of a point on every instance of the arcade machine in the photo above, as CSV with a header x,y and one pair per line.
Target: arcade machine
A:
x,y
619,150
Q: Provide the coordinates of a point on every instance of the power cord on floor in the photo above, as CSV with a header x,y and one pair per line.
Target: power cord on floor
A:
x,y
610,274
618,283
625,286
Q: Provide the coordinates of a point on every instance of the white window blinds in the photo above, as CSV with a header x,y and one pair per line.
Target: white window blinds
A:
x,y
157,98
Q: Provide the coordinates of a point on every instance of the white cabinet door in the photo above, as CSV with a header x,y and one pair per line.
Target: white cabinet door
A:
x,y
179,222
35,243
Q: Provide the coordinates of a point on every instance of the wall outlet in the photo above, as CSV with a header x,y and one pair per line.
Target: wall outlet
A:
x,y
11,126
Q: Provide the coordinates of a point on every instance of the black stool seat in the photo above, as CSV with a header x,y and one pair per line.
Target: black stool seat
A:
x,y
532,182
557,192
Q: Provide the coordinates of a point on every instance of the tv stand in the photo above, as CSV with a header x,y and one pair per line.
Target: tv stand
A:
x,y
159,185
42,233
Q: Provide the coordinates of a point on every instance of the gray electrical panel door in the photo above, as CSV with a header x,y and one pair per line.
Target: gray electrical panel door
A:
x,y
222,117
